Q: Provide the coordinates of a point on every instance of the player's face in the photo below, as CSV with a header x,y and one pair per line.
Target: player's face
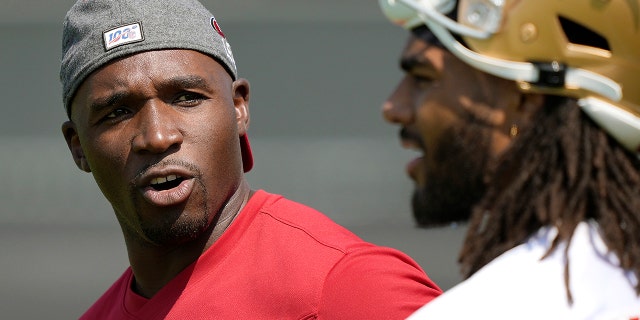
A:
x,y
446,111
160,131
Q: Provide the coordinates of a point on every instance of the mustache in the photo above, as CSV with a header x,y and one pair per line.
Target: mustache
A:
x,y
170,162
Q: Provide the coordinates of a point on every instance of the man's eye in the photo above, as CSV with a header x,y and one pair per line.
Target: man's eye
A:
x,y
188,97
422,79
117,113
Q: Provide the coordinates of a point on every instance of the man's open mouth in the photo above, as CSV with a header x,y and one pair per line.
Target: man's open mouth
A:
x,y
166,183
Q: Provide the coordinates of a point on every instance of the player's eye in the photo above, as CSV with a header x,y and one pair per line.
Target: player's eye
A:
x,y
188,98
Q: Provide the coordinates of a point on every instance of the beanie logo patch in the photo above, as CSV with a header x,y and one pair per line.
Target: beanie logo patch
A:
x,y
227,47
215,25
122,35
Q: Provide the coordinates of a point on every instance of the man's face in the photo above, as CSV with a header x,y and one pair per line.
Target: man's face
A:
x,y
160,131
450,113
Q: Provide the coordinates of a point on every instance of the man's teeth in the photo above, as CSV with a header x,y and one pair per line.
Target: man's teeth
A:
x,y
160,180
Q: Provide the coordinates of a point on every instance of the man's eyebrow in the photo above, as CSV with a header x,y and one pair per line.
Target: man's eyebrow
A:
x,y
414,62
188,81
107,101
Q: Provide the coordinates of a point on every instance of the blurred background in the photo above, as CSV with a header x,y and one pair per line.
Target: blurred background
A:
x,y
319,72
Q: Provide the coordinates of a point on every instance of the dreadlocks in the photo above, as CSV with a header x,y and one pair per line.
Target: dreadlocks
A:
x,y
562,170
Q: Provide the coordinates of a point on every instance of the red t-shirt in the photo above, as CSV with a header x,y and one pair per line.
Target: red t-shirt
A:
x,y
280,260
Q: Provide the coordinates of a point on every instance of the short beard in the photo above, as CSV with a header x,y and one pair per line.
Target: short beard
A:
x,y
176,232
179,227
457,184
440,205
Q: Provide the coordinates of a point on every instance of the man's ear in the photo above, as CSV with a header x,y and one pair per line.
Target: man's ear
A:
x,y
241,103
73,142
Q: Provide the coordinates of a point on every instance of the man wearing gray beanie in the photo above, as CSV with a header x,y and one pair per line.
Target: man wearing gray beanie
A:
x,y
159,117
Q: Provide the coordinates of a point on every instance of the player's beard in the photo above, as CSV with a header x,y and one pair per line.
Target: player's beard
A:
x,y
181,226
457,184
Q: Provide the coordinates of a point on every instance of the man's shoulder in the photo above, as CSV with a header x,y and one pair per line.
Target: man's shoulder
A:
x,y
520,284
309,223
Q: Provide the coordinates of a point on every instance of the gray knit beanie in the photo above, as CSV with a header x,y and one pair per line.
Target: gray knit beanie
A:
x,y
99,31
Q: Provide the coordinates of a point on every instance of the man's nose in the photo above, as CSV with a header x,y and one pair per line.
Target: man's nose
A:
x,y
158,129
399,108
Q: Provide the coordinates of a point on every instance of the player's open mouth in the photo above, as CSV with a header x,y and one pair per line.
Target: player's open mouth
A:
x,y
168,189
165,183
412,141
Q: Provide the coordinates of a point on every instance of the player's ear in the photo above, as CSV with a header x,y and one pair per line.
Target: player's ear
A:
x,y
73,142
241,102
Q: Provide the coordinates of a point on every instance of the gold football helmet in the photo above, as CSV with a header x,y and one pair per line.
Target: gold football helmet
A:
x,y
585,49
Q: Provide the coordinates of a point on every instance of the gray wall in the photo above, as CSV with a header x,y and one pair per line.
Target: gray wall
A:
x,y
319,72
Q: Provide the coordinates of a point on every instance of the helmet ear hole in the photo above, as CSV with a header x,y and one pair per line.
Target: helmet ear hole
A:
x,y
581,35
